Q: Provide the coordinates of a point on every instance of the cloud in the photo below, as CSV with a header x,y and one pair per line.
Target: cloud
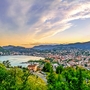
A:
x,y
58,18
42,18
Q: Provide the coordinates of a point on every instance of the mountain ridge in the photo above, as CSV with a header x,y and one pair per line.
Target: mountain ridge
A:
x,y
78,45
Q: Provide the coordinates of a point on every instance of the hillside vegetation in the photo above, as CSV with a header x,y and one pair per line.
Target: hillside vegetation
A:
x,y
19,79
64,78
67,78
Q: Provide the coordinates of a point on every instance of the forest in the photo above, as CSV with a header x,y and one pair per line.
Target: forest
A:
x,y
15,78
64,78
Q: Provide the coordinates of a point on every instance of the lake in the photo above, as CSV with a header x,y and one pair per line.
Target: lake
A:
x,y
18,59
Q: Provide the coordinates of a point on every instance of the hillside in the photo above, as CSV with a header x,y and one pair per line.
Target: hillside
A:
x,y
2,50
19,79
84,46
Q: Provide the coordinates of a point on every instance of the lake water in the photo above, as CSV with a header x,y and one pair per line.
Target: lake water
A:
x,y
18,59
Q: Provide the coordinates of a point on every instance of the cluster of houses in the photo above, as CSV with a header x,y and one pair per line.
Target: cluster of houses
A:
x,y
33,67
67,62
73,61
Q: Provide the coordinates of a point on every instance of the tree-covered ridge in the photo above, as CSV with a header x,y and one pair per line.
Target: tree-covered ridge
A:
x,y
19,79
4,51
1,49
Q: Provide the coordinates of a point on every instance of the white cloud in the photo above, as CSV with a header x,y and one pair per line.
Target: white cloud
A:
x,y
43,18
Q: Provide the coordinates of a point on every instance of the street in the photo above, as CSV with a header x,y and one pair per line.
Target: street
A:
x,y
43,77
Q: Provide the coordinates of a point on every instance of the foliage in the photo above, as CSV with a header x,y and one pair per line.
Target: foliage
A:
x,y
70,78
7,63
59,69
47,67
3,72
50,59
18,79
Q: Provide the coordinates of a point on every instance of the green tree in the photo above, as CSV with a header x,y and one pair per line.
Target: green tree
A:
x,y
51,80
3,72
47,67
7,63
18,79
59,69
3,76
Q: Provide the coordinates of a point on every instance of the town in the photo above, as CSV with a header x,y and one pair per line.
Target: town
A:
x,y
66,56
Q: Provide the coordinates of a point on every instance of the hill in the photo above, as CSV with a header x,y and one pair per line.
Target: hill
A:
x,y
85,46
3,51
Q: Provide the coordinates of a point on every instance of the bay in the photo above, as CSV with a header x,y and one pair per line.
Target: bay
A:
x,y
18,59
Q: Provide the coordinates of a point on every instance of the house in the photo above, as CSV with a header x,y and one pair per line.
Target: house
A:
x,y
55,66
32,67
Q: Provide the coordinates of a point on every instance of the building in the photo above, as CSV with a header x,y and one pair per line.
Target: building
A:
x,y
32,67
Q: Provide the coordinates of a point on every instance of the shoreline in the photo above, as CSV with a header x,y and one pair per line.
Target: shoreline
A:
x,y
23,55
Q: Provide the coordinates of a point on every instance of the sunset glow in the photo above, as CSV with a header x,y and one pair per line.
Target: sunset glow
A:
x,y
34,22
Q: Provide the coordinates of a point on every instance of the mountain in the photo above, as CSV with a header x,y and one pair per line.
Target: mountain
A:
x,y
15,48
1,49
18,49
45,47
85,45
4,51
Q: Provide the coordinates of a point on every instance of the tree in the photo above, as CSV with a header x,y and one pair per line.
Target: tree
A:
x,y
80,78
18,79
50,59
47,67
3,72
51,80
59,69
7,63
3,76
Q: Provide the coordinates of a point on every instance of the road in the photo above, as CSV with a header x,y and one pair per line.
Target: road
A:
x,y
43,77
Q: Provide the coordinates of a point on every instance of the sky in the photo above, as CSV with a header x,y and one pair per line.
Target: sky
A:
x,y
34,22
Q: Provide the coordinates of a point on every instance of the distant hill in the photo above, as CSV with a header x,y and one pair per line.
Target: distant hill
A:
x,y
46,47
4,50
15,48
85,45
10,47
1,49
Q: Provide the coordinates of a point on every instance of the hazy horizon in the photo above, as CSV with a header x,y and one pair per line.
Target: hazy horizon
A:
x,y
30,23
44,44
